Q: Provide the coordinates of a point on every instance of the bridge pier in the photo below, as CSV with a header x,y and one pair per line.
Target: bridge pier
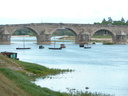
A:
x,y
5,37
121,38
82,38
44,39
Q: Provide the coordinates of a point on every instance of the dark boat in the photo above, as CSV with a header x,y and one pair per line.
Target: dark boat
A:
x,y
56,48
23,48
62,46
86,47
41,47
81,45
23,45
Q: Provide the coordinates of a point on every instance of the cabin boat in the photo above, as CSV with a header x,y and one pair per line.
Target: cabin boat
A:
x,y
81,45
11,55
62,46
41,47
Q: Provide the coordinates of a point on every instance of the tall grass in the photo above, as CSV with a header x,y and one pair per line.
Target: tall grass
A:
x,y
23,82
74,92
40,70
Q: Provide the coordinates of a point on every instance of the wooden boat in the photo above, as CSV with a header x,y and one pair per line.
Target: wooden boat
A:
x,y
62,46
41,47
23,45
86,47
23,48
81,45
11,55
54,48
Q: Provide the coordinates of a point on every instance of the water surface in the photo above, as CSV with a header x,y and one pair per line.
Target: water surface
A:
x,y
103,68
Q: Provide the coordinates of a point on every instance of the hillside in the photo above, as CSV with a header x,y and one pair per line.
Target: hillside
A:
x,y
9,63
9,88
13,83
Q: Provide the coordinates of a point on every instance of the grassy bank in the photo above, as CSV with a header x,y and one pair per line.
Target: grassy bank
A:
x,y
25,85
38,70
14,79
19,85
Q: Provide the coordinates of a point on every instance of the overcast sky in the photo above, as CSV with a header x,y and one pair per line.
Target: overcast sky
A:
x,y
64,11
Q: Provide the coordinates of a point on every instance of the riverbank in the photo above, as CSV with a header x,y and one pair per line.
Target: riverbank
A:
x,y
92,39
14,79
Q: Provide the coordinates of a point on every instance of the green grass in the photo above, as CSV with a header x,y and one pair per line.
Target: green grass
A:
x,y
40,70
24,83
73,92
108,43
101,36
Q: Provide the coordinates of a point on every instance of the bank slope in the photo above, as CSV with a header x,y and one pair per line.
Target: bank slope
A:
x,y
13,83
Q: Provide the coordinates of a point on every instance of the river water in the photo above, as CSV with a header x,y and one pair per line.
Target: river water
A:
x,y
103,68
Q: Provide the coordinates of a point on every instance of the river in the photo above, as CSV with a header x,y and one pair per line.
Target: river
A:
x,y
103,68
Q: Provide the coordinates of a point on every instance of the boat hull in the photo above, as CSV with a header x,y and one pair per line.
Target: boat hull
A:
x,y
55,48
87,47
22,48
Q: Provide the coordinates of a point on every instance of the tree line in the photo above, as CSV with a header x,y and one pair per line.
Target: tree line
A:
x,y
24,31
110,21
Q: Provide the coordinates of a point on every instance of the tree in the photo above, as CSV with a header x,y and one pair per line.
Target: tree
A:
x,y
104,20
110,19
122,20
126,22
118,23
97,23
106,23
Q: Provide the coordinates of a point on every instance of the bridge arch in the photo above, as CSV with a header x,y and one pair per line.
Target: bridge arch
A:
x,y
66,28
105,32
27,28
73,31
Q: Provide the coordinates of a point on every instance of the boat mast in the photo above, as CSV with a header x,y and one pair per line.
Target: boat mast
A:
x,y
54,42
23,42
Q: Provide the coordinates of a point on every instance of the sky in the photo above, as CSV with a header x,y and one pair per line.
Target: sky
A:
x,y
61,11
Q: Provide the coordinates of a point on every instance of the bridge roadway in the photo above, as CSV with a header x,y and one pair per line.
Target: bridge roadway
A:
x,y
83,32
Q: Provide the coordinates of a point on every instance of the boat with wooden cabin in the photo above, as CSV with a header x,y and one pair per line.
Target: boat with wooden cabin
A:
x,y
41,47
62,46
81,45
11,55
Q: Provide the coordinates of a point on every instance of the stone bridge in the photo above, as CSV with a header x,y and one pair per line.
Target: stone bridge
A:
x,y
83,32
